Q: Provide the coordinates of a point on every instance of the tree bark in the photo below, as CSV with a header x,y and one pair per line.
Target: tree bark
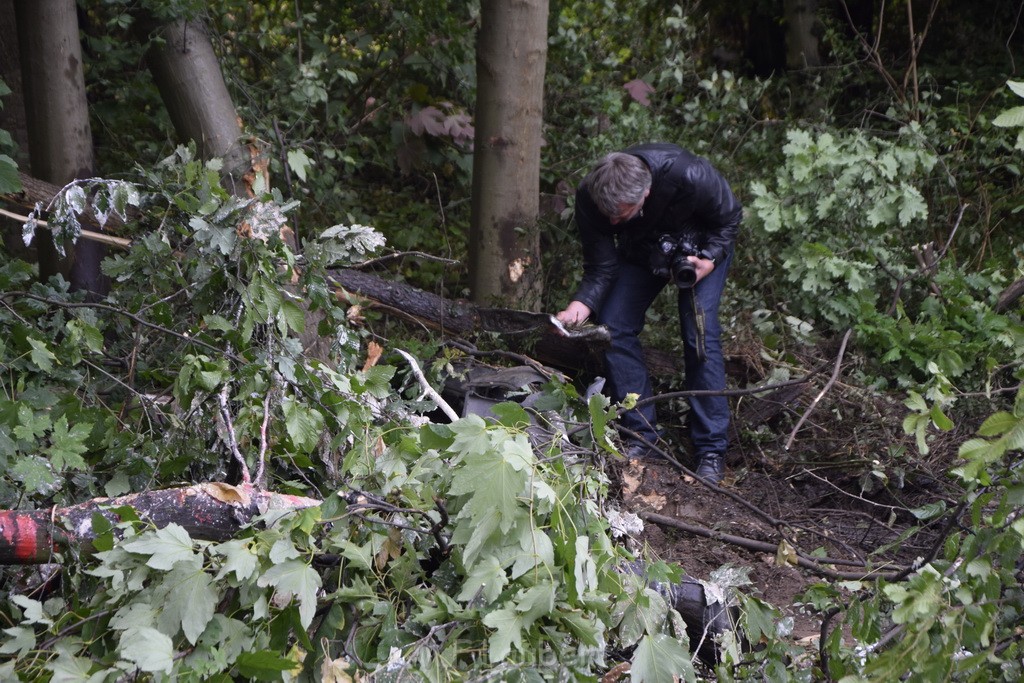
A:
x,y
1009,296
35,191
520,331
60,138
12,111
12,118
188,76
801,41
211,512
504,247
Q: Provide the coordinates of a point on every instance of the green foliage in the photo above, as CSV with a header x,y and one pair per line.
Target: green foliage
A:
x,y
840,221
459,551
1013,117
9,180
956,616
837,209
442,551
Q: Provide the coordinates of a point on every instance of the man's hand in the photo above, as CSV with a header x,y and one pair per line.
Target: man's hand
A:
x,y
576,313
701,266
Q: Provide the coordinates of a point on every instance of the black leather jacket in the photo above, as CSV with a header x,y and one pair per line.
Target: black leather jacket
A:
x,y
688,195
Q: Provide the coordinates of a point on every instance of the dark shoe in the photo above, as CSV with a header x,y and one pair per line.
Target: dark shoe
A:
x,y
711,467
638,450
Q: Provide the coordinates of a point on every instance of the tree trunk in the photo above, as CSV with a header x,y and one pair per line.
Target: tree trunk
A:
x,y
12,110
801,41
504,247
187,74
60,139
211,512
12,119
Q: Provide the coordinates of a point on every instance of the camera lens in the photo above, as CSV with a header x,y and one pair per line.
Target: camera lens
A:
x,y
683,272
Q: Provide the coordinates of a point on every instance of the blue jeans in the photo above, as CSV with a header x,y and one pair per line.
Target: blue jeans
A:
x,y
624,312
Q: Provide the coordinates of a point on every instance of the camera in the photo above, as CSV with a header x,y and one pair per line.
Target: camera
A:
x,y
668,260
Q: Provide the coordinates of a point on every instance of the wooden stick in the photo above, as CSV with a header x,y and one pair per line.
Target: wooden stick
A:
x,y
828,385
90,235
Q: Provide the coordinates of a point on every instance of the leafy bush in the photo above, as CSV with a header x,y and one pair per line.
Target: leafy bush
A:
x,y
443,551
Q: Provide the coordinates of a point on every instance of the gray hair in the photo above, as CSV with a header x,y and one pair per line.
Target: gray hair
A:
x,y
618,178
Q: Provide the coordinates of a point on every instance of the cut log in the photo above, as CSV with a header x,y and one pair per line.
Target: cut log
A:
x,y
210,511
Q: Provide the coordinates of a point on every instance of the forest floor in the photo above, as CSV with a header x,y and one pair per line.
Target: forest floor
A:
x,y
844,490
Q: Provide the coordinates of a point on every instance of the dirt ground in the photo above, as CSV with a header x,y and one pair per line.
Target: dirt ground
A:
x,y
664,490
755,504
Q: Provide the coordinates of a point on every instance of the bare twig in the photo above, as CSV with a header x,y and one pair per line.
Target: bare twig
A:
x,y
229,429
429,390
120,311
763,547
821,394
400,255
725,392
90,235
261,472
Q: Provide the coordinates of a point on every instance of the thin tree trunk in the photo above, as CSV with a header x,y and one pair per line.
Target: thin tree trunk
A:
x,y
801,41
504,244
60,138
12,110
187,74
12,119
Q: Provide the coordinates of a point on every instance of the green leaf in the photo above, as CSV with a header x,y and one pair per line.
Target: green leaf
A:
x,y
998,424
930,510
294,579
189,601
148,649
939,418
537,551
660,659
67,446
239,558
304,424
1011,118
10,181
509,624
32,610
134,615
67,668
299,162
470,436
584,569
1017,87
34,472
487,579
495,483
21,640
643,613
294,316
599,417
31,424
165,547
511,415
263,665
41,355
